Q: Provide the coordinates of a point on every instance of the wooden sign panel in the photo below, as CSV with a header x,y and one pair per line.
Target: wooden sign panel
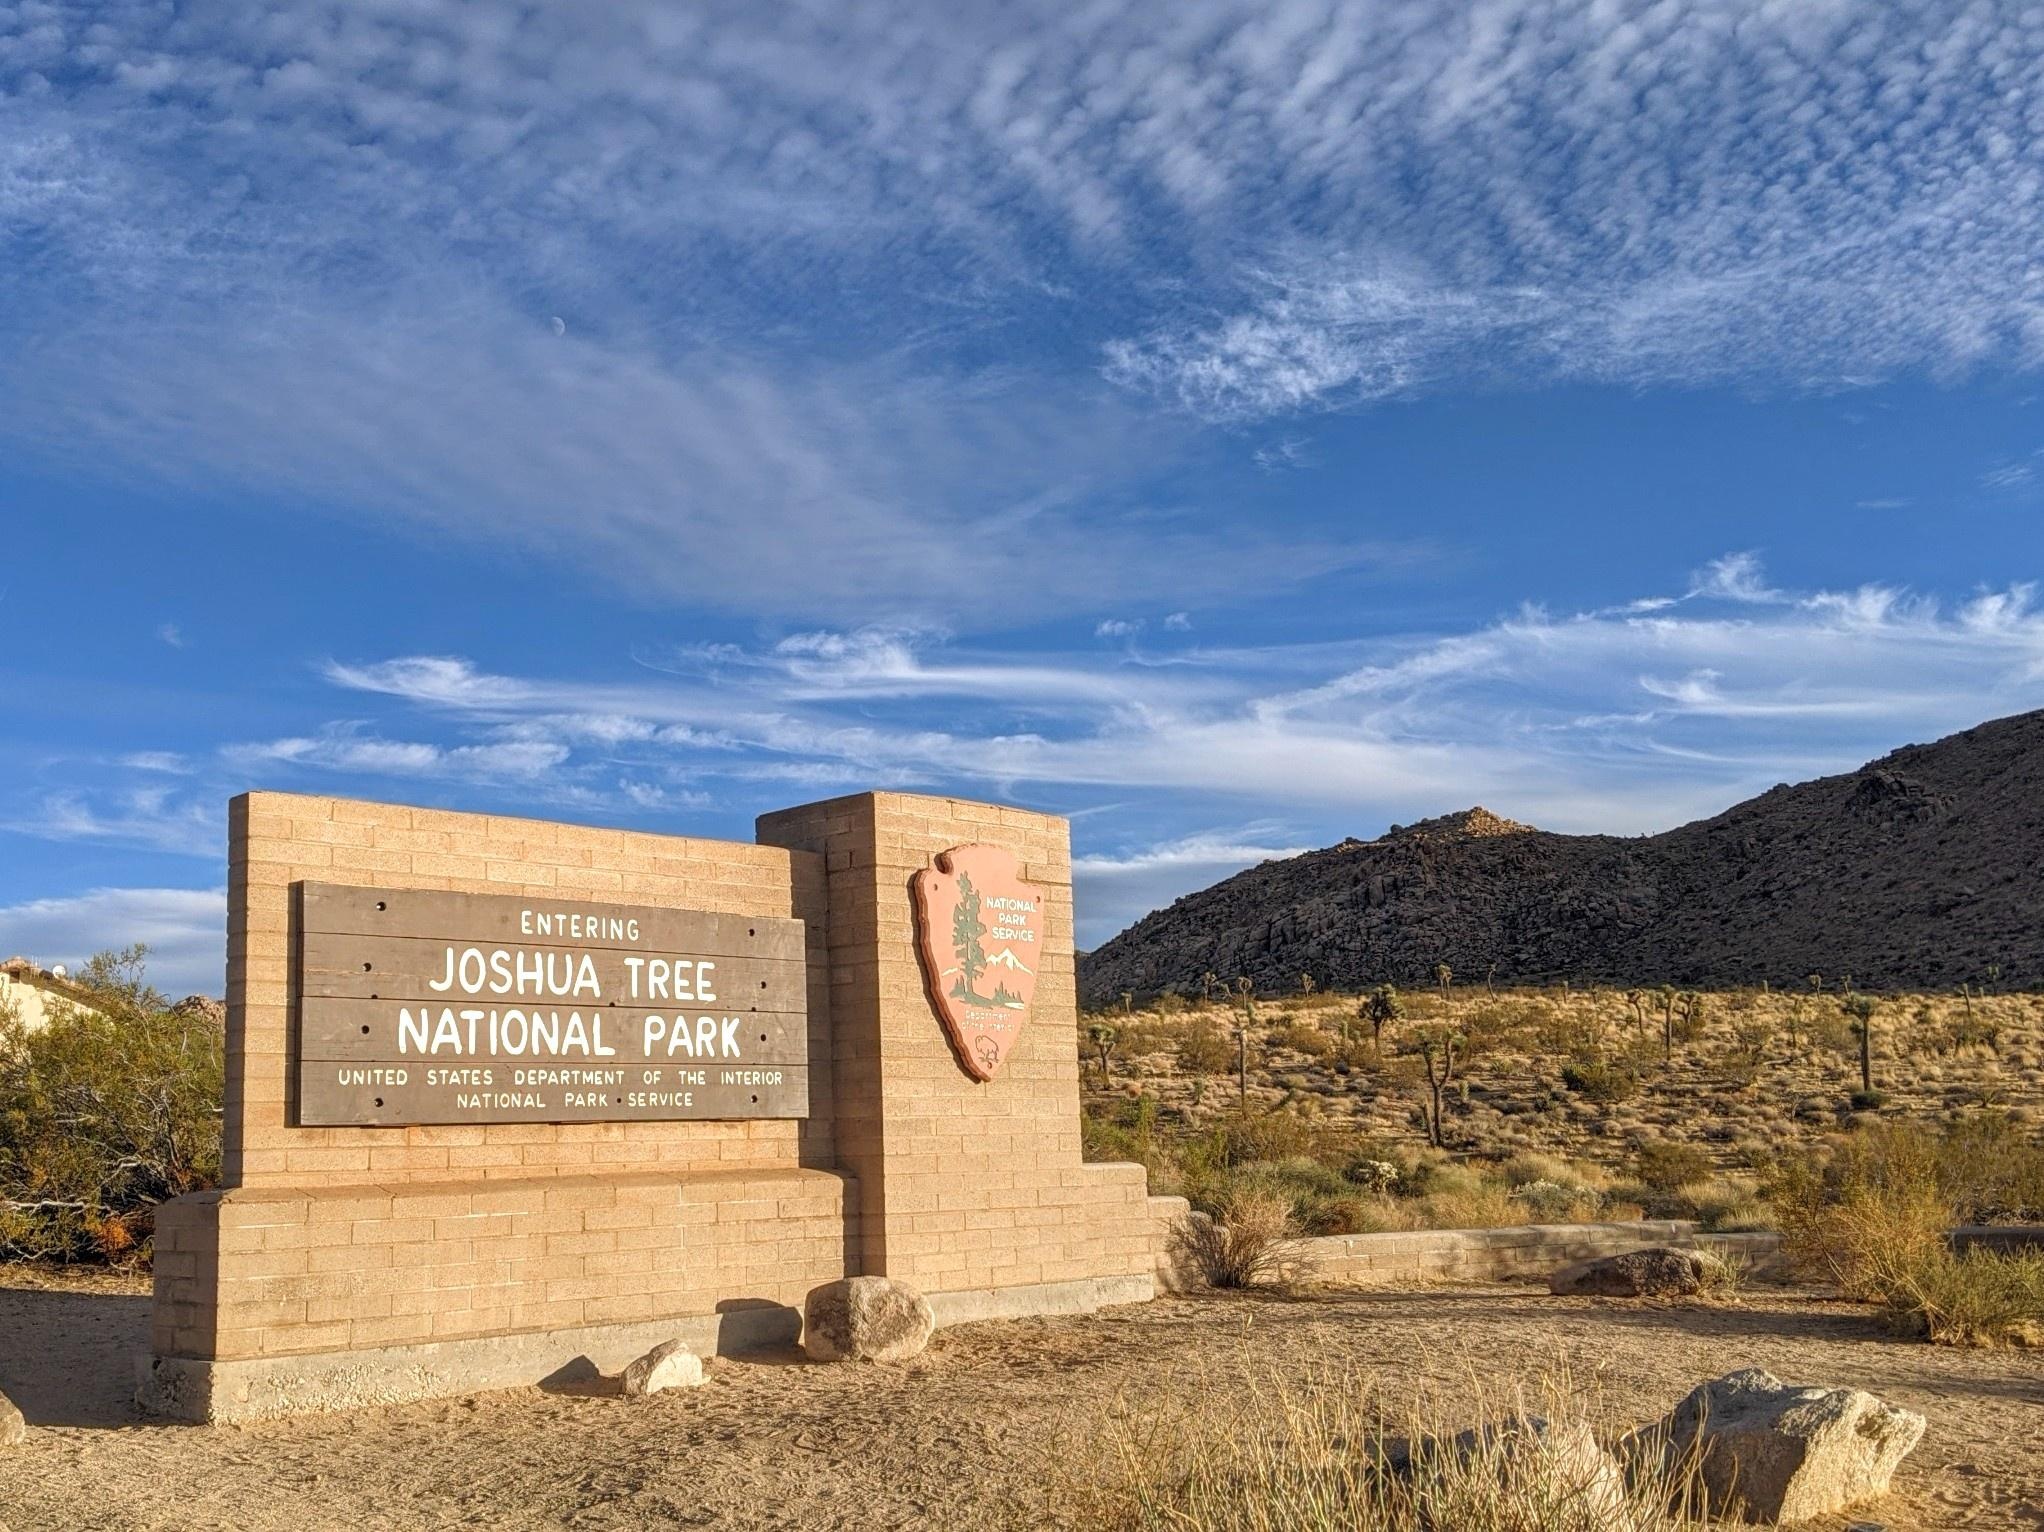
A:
x,y
423,1007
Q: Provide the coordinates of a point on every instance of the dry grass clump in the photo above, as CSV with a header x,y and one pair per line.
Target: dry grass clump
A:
x,y
1328,1452
1245,1241
1875,1214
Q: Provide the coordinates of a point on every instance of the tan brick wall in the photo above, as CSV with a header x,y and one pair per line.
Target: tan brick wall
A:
x,y
278,839
335,1239
963,1184
270,1271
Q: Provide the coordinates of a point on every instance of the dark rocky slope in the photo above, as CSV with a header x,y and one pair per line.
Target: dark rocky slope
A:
x,y
1922,869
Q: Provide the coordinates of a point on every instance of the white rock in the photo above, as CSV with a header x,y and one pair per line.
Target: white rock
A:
x,y
866,1319
1768,1451
668,1365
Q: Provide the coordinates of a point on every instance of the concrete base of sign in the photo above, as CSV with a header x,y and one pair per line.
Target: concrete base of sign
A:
x,y
968,1305
265,1388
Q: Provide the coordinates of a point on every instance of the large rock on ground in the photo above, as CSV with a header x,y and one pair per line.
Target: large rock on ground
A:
x,y
13,1429
1659,1273
866,1319
1769,1451
668,1365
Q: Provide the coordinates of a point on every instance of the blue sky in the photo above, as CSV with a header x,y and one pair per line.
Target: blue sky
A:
x,y
1235,426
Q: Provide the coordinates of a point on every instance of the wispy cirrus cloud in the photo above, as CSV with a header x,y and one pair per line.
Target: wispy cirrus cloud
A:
x,y
150,817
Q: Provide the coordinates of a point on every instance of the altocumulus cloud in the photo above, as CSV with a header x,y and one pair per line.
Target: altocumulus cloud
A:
x,y
323,251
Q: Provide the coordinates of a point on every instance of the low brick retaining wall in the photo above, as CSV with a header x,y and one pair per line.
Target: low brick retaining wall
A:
x,y
1522,1251
1502,1255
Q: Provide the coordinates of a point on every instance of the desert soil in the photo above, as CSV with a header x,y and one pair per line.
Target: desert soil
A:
x,y
966,1437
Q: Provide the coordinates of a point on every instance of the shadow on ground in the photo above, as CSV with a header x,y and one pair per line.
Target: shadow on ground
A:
x,y
67,1358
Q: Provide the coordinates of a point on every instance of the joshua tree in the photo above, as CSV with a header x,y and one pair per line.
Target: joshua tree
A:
x,y
1207,982
1668,998
1440,1051
1306,984
1103,1038
1861,1009
1444,976
1490,978
1816,983
1637,1003
1245,997
1128,1002
1379,1007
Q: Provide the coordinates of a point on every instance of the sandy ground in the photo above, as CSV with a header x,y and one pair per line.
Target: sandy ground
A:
x,y
964,1438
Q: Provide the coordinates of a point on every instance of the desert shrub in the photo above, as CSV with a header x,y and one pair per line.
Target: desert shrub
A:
x,y
102,1117
1726,1205
1244,1137
1874,1218
1326,1453
1558,1202
1304,1037
1599,1077
1665,1167
1243,1242
1320,1198
1126,1131
1986,1166
1203,1050
1887,1245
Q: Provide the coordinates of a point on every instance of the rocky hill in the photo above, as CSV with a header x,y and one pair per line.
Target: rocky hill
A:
x,y
1923,870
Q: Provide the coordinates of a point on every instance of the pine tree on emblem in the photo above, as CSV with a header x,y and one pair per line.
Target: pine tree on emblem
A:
x,y
966,930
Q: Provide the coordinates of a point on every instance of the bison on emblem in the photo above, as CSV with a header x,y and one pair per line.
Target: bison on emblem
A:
x,y
980,938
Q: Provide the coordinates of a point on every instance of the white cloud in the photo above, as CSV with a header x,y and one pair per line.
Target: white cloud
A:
x,y
1113,891
343,748
1734,577
169,633
185,930
1624,719
1117,627
148,817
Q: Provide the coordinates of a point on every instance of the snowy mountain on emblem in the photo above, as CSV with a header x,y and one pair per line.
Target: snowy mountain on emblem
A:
x,y
1006,958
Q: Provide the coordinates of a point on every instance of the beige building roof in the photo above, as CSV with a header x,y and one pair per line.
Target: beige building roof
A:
x,y
32,992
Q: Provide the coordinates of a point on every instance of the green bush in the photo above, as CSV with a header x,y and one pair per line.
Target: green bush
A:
x,y
102,1117
1596,1078
1668,1167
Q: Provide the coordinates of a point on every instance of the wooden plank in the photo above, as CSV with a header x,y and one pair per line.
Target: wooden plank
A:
x,y
432,968
388,1094
527,920
417,1006
336,1030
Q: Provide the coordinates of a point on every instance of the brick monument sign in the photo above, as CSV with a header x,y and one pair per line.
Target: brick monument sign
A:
x,y
508,1097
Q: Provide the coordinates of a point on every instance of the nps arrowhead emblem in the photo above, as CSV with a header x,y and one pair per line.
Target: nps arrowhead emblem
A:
x,y
979,931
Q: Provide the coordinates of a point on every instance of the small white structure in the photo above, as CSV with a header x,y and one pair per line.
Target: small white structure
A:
x,y
34,996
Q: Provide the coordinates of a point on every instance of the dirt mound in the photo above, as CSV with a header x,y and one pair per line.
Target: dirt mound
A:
x,y
1922,870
